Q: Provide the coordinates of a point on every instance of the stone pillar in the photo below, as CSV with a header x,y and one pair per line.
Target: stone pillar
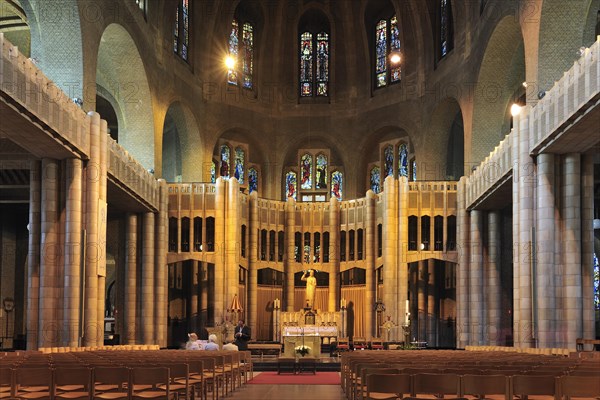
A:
x,y
147,297
390,244
476,298
33,255
572,294
232,239
161,271
516,231
92,331
72,253
422,301
587,245
492,283
49,269
219,285
334,254
130,286
403,279
194,298
290,230
252,232
432,305
371,279
545,243
462,274
203,295
102,221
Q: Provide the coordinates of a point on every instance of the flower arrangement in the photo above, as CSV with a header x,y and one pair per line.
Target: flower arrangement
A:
x,y
302,350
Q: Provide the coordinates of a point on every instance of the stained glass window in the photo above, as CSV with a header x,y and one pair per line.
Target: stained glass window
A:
x,y
291,185
233,52
239,165
306,171
213,171
445,28
388,163
321,179
181,38
381,53
414,170
395,72
306,254
403,160
337,185
252,180
225,161
375,180
322,64
248,54
306,64
596,283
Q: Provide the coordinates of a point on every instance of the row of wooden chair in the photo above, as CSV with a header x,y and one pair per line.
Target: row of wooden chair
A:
x,y
390,386
359,343
544,351
47,350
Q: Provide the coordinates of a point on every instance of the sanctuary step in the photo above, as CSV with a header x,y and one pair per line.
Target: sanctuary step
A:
x,y
323,364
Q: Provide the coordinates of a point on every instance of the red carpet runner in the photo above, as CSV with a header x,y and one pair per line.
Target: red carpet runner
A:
x,y
321,378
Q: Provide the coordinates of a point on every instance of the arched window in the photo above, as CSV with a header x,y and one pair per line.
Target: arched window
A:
x,y
403,160
225,161
375,180
388,161
181,40
337,185
314,64
321,179
446,28
414,169
239,165
291,185
388,68
242,54
252,180
213,171
306,166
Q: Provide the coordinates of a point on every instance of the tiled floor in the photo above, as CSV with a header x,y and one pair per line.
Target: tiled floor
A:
x,y
288,392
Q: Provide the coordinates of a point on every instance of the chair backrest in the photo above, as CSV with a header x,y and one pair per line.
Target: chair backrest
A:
x,y
486,385
33,380
397,384
580,386
436,384
522,385
72,382
150,379
111,379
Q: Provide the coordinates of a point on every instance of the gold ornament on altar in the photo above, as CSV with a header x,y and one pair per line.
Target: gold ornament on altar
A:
x,y
302,350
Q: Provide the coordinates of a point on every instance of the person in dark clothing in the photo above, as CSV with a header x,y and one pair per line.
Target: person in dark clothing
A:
x,y
242,335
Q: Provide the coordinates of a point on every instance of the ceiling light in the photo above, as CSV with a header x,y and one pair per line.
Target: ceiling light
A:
x,y
515,110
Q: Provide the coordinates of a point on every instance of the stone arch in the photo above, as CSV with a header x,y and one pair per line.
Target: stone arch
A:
x,y
445,138
562,33
127,84
182,147
56,42
501,75
15,26
592,24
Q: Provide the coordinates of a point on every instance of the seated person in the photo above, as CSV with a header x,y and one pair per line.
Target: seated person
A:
x,y
230,346
192,343
212,343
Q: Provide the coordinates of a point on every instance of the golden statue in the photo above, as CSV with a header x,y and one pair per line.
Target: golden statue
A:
x,y
311,287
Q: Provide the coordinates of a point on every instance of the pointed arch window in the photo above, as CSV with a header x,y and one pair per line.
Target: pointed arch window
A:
x,y
446,28
181,40
314,64
252,179
414,169
337,185
403,160
375,180
213,171
242,53
225,161
388,161
388,64
238,172
321,178
291,185
306,167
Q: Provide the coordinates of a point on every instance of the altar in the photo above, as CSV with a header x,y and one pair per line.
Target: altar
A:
x,y
313,342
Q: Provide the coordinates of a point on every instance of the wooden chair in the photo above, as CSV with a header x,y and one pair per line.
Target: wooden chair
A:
x,y
361,387
343,344
246,365
579,386
33,383
72,383
7,378
387,386
110,383
359,343
376,344
437,386
480,386
150,383
536,385
178,379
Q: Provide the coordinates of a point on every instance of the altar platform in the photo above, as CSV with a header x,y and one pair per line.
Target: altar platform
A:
x,y
272,364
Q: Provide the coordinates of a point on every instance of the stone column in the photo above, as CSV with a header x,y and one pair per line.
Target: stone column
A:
x,y
161,269
545,243
492,283
147,297
49,269
219,285
93,175
334,254
476,298
422,281
390,244
290,230
403,278
130,286
371,279
194,300
432,305
232,238
102,221
462,274
203,294
516,231
252,232
572,289
587,245
33,255
72,254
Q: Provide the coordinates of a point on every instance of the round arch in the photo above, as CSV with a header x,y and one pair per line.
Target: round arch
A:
x,y
182,147
501,77
445,138
127,84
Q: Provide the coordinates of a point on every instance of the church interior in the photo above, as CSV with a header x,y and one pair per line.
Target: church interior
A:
x,y
173,166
